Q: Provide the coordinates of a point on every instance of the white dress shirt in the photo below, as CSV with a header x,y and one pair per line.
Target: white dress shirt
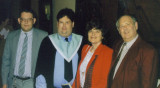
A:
x,y
27,72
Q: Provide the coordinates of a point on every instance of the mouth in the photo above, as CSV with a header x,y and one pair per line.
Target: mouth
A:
x,y
93,37
126,32
26,25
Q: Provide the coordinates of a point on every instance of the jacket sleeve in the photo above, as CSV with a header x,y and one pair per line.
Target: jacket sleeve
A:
x,y
106,64
6,61
149,69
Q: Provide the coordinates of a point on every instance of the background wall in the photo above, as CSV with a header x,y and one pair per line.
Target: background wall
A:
x,y
60,4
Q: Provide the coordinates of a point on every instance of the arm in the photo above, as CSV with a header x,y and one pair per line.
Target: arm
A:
x,y
149,69
6,62
105,65
45,62
4,86
40,82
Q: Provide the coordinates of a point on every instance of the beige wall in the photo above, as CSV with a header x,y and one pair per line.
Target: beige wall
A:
x,y
58,5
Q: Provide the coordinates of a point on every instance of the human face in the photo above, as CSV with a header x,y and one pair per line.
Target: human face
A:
x,y
95,36
65,26
26,21
127,28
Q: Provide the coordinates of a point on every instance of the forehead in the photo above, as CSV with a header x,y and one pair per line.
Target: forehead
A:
x,y
66,18
125,19
95,29
26,14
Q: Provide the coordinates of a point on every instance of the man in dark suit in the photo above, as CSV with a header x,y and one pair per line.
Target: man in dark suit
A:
x,y
135,62
20,53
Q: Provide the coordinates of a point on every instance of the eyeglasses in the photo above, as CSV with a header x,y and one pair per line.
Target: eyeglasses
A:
x,y
26,20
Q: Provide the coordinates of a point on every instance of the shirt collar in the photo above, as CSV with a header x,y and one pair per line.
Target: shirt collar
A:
x,y
28,33
130,43
69,37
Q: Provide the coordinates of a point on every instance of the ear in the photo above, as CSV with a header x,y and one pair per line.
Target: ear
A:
x,y
102,37
136,25
19,21
72,24
34,20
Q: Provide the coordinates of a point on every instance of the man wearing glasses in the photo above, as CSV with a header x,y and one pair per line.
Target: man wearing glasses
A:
x,y
20,52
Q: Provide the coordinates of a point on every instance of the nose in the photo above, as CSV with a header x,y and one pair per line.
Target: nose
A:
x,y
64,25
26,21
93,33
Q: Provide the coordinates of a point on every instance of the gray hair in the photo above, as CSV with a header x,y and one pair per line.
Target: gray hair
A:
x,y
133,19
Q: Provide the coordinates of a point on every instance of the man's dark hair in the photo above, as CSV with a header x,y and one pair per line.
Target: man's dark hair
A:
x,y
28,11
66,12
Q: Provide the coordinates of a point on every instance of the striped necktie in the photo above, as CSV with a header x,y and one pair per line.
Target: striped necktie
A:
x,y
23,56
114,66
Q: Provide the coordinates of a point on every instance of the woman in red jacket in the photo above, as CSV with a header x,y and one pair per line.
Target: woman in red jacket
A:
x,y
95,60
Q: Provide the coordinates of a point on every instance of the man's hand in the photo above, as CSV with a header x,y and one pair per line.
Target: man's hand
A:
x,y
4,86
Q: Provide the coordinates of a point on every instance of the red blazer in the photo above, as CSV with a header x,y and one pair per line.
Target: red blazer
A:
x,y
97,68
138,68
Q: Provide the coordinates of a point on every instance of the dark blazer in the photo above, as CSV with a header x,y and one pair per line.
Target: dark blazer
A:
x,y
138,68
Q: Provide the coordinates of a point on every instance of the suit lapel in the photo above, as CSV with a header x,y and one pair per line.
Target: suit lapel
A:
x,y
130,55
95,55
116,50
15,40
34,49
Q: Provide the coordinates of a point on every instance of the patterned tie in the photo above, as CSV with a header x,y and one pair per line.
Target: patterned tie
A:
x,y
114,66
68,72
23,56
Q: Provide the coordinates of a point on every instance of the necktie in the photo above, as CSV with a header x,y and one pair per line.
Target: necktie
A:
x,y
23,56
68,72
114,66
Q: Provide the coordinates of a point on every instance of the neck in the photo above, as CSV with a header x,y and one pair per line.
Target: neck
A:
x,y
94,46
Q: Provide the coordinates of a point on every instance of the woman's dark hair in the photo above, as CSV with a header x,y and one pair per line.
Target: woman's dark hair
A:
x,y
66,12
97,24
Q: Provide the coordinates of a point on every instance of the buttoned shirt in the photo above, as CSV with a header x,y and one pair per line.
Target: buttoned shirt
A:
x,y
28,65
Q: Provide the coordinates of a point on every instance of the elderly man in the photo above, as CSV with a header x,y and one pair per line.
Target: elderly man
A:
x,y
134,62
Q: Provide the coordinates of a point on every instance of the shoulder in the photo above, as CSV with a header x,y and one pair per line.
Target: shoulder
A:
x,y
85,46
40,31
106,49
77,35
145,45
14,32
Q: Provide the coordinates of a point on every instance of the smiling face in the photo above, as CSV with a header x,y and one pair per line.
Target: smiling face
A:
x,y
65,26
127,28
26,21
95,36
